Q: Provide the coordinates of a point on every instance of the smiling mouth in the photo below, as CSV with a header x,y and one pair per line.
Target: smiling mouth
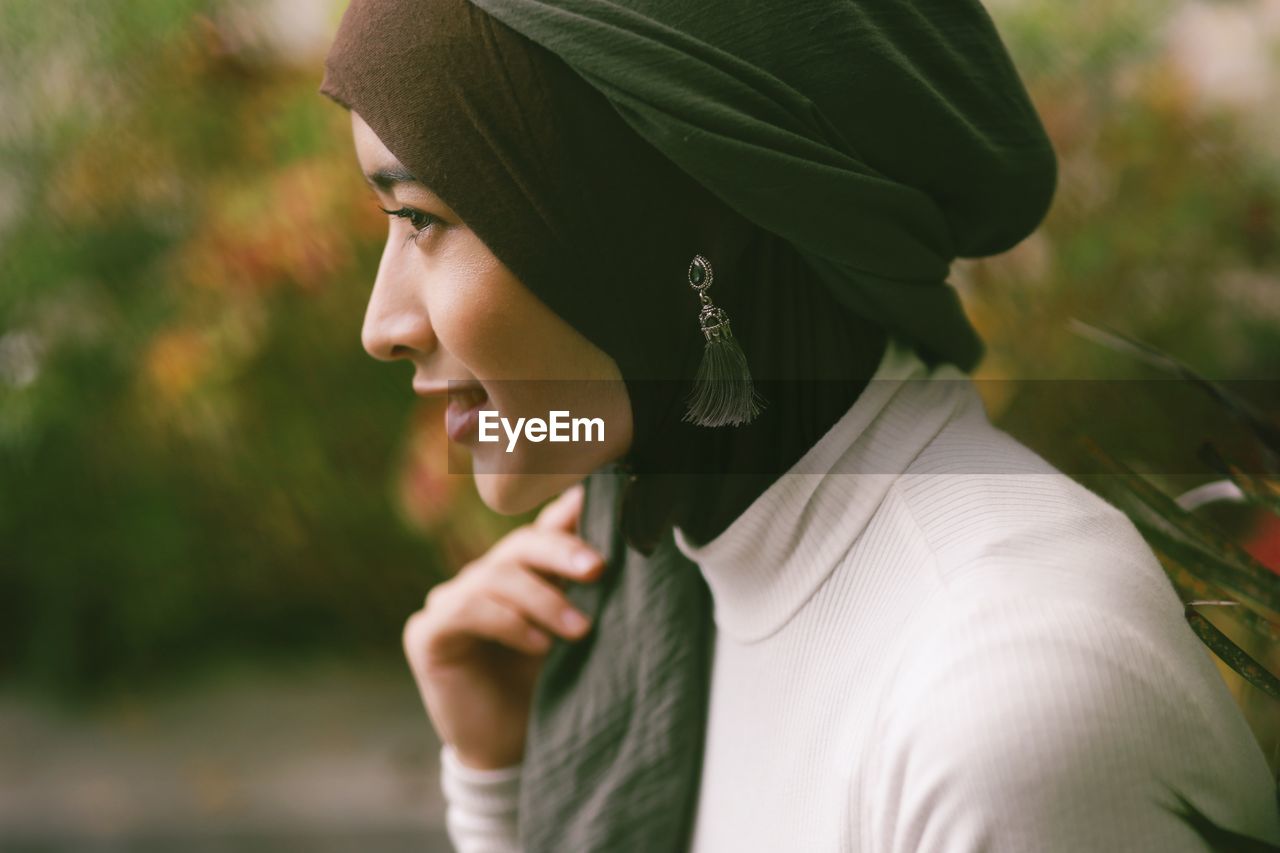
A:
x,y
462,416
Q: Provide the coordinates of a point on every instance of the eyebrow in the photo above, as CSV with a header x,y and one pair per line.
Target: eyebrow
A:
x,y
385,179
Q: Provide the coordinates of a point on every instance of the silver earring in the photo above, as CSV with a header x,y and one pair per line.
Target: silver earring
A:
x,y
723,391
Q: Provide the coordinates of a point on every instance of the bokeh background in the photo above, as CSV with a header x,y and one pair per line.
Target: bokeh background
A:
x,y
216,510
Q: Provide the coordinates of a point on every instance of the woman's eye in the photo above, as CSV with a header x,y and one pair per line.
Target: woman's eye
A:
x,y
419,220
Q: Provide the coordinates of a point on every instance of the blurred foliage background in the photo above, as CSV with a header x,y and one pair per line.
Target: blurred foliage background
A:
x,y
197,459
198,462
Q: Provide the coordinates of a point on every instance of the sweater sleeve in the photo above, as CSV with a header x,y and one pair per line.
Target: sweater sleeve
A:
x,y
1029,723
480,805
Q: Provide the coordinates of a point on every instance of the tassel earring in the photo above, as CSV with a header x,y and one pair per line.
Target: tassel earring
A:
x,y
723,392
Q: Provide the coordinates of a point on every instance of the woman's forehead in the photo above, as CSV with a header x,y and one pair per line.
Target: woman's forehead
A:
x,y
370,150
382,169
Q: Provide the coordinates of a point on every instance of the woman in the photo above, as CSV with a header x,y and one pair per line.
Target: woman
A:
x,y
925,638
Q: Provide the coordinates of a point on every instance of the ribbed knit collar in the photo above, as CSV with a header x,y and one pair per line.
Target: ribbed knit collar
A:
x,y
773,557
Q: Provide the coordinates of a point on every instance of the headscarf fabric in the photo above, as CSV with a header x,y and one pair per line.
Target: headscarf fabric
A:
x,y
883,139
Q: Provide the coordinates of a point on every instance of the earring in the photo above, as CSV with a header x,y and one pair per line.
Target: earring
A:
x,y
723,392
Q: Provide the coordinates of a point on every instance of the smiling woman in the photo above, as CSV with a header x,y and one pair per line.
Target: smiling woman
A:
x,y
866,620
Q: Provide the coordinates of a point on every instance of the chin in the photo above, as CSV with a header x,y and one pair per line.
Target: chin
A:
x,y
514,494
517,483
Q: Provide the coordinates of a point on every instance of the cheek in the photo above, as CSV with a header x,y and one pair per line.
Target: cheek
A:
x,y
471,317
498,329
464,323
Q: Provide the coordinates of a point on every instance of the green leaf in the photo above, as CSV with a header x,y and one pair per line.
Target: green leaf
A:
x,y
1193,542
1262,491
1240,661
1264,429
1197,591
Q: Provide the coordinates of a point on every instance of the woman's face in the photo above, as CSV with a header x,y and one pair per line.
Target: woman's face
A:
x,y
443,302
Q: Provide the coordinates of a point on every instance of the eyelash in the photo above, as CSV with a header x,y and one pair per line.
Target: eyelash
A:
x,y
415,217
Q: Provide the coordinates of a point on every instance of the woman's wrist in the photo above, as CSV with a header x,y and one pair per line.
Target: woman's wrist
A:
x,y
477,795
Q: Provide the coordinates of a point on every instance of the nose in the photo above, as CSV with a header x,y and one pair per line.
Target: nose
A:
x,y
396,324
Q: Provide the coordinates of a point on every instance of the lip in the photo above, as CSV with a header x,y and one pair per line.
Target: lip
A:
x,y
462,415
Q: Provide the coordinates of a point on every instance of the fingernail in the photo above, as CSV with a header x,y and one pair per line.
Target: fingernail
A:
x,y
574,621
585,561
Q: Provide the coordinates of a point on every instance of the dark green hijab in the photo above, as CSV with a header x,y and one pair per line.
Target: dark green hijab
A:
x,y
884,139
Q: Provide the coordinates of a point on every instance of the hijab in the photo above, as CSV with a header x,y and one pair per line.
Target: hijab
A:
x,y
595,148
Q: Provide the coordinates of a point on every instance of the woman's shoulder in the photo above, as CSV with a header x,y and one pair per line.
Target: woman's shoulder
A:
x,y
1058,724
998,517
1051,688
1025,713
1034,568
1052,671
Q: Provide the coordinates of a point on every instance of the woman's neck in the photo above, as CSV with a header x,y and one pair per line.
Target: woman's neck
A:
x,y
811,358
754,457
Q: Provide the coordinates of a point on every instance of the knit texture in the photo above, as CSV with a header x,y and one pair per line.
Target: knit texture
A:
x,y
928,639
627,702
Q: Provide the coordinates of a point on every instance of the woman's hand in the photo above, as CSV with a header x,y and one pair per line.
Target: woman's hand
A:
x,y
477,645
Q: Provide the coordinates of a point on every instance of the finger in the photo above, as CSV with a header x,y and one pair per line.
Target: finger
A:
x,y
563,512
540,601
414,637
486,617
554,551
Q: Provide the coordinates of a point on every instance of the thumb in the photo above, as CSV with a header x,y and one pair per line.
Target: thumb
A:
x,y
562,513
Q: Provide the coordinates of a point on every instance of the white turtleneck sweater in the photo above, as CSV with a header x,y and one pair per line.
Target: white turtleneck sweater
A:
x,y
929,639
